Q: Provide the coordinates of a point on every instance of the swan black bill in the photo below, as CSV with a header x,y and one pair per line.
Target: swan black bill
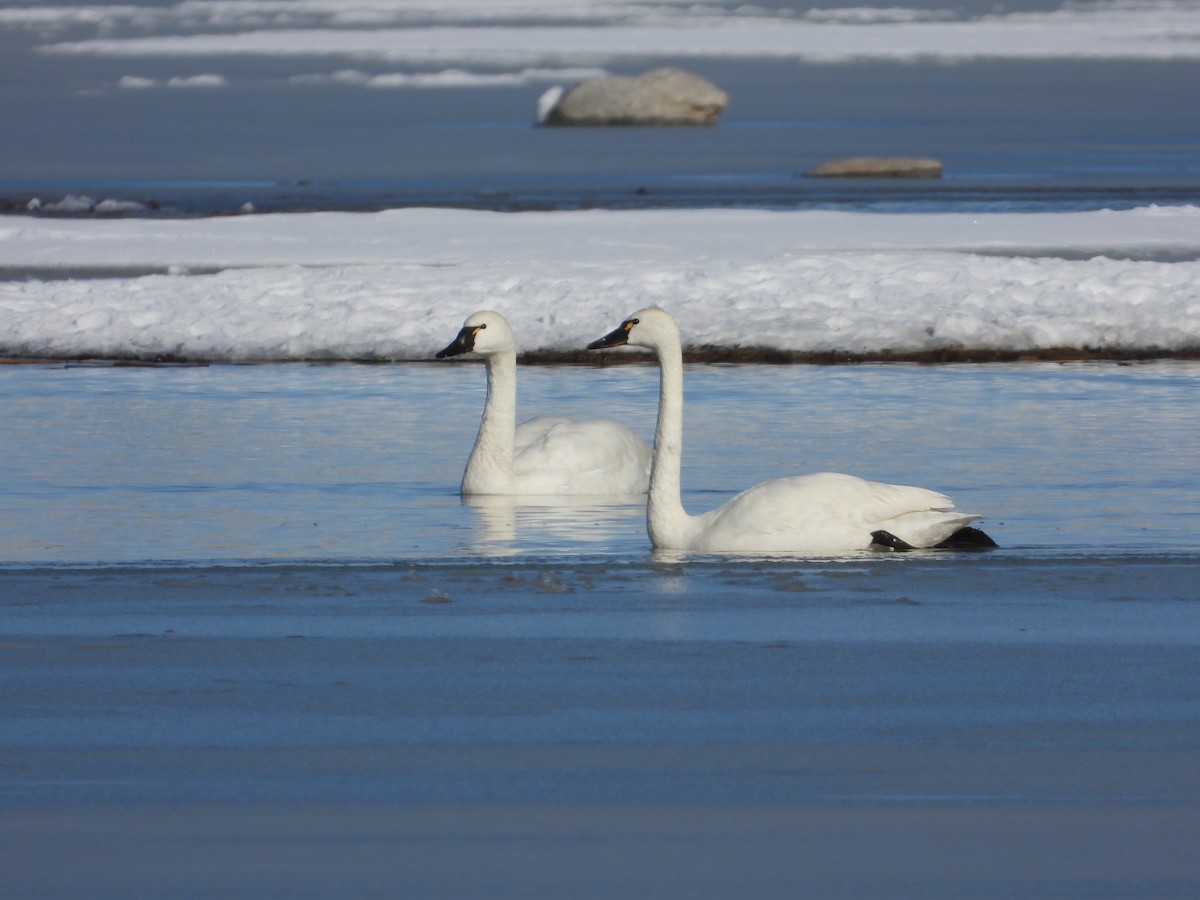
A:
x,y
618,337
464,343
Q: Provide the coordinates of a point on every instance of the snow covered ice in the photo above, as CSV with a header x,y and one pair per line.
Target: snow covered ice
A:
x,y
596,31
393,285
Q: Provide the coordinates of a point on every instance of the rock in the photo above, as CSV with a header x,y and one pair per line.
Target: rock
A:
x,y
879,167
658,97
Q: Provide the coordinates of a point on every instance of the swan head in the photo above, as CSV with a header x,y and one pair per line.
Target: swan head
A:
x,y
650,327
485,332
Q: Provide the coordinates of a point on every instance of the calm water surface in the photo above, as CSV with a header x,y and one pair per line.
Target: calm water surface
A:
x,y
361,463
1012,134
242,595
177,723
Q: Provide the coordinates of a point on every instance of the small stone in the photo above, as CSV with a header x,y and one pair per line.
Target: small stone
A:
x,y
879,167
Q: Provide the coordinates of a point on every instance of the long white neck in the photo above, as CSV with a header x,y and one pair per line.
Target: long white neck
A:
x,y
666,519
489,466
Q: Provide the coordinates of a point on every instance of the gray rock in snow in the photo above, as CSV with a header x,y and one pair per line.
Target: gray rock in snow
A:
x,y
659,97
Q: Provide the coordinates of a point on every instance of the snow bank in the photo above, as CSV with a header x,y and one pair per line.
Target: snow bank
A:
x,y
598,32
397,285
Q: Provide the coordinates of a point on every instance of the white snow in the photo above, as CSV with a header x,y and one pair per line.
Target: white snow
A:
x,y
136,82
597,33
397,284
446,78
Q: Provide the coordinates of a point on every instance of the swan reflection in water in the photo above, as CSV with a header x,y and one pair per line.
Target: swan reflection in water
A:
x,y
511,525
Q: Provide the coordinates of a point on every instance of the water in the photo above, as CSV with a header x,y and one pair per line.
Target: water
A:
x,y
254,644
1012,134
348,463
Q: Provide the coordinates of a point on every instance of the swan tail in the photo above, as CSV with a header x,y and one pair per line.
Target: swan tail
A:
x,y
964,538
968,538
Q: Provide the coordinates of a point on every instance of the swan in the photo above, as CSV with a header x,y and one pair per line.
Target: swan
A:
x,y
820,514
546,454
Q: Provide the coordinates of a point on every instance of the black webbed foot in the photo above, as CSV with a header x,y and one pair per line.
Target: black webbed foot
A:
x,y
885,540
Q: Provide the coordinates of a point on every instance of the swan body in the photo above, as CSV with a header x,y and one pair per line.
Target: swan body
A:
x,y
546,454
819,514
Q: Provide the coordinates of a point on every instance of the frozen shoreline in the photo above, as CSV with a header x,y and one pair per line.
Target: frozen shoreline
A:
x,y
748,284
540,34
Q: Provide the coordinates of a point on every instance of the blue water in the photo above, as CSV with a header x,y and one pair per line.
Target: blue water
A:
x,y
337,463
1012,135
254,644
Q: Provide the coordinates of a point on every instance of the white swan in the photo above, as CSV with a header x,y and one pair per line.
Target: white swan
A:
x,y
547,454
819,514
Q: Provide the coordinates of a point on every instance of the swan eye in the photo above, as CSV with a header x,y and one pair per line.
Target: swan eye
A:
x,y
629,323
479,328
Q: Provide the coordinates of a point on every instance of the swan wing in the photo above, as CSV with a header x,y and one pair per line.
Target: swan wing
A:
x,y
533,431
827,512
580,456
918,516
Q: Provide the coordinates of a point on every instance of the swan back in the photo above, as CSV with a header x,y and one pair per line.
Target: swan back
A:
x,y
825,513
557,455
